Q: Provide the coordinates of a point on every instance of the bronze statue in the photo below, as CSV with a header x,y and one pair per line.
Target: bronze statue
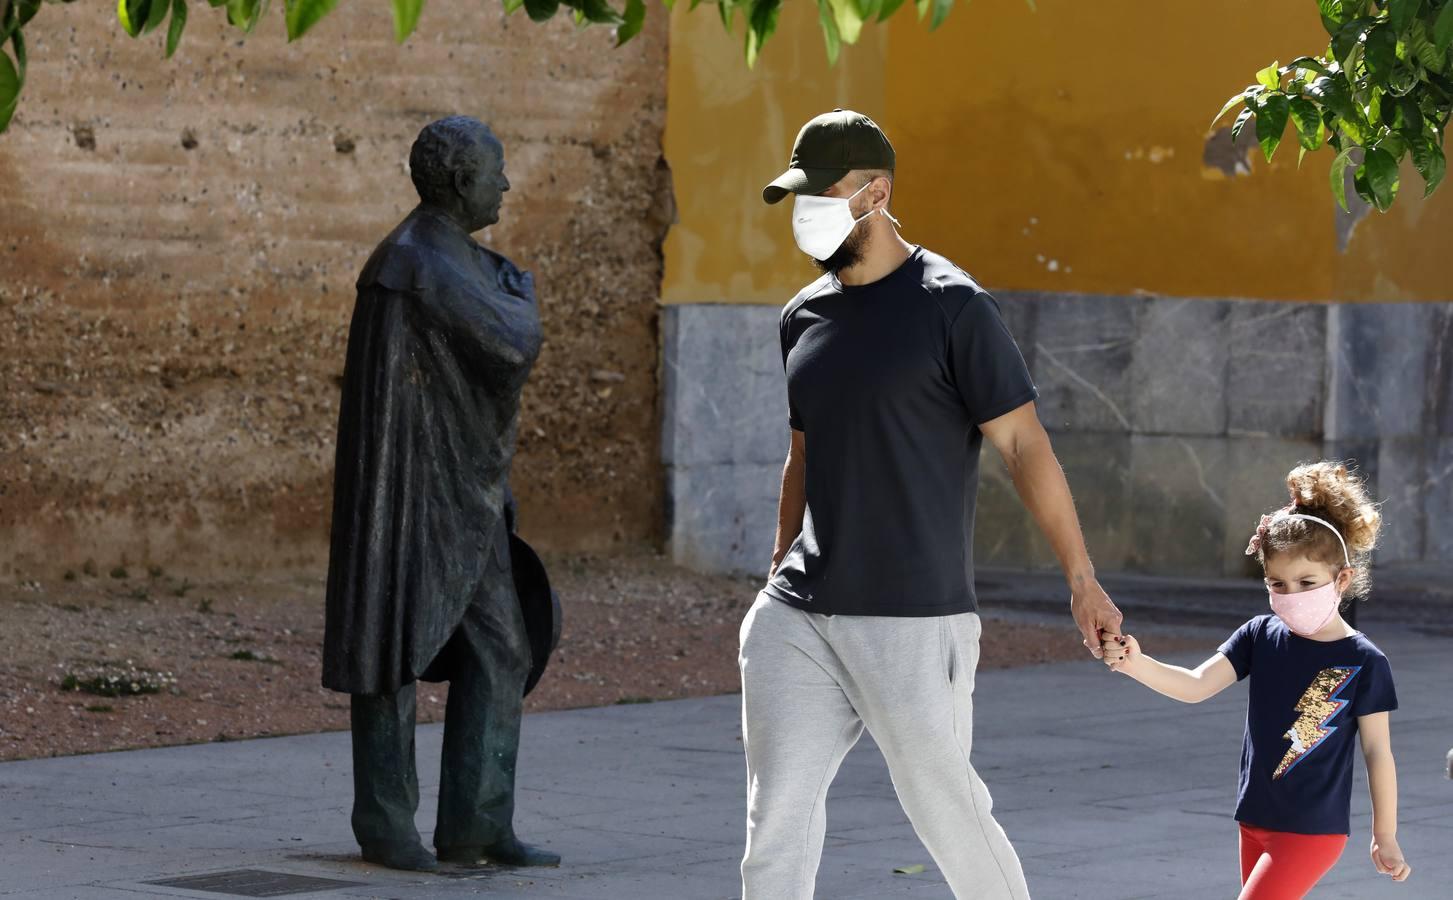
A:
x,y
420,581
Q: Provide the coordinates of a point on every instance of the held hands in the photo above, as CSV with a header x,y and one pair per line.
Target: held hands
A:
x,y
1094,612
1387,856
1119,650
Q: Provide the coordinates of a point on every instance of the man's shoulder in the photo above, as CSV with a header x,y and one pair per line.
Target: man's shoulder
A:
x,y
818,288
943,276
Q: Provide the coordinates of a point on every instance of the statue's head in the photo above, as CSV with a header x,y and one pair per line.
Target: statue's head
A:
x,y
458,166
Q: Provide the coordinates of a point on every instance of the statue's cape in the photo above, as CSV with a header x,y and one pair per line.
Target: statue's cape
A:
x,y
438,349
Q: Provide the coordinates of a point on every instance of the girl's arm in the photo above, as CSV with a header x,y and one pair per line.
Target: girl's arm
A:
x,y
1382,782
1207,680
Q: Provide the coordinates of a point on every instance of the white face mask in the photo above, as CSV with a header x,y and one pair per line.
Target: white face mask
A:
x,y
821,224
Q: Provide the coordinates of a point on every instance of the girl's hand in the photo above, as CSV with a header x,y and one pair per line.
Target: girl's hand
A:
x,y
1120,650
1387,856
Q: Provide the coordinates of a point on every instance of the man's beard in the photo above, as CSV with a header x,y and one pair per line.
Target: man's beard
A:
x,y
849,254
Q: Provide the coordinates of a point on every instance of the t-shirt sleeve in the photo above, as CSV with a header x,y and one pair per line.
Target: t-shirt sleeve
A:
x,y
1237,649
986,364
1375,691
788,339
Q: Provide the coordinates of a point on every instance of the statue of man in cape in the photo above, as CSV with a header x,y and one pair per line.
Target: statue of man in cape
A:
x,y
443,337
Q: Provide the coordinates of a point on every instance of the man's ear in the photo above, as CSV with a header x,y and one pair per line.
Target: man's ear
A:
x,y
463,181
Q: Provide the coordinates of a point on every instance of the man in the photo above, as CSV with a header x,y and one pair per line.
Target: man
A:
x,y
419,579
898,365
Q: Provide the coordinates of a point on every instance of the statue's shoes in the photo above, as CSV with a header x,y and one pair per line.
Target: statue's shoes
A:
x,y
408,857
509,852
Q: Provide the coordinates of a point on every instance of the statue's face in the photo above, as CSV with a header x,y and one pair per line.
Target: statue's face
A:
x,y
482,186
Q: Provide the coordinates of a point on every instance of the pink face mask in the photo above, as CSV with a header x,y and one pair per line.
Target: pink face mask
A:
x,y
1308,612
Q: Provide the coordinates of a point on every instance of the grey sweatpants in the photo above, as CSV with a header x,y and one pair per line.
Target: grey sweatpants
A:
x,y
810,683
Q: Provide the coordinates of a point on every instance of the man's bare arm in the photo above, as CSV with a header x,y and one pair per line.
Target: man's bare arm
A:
x,y
1040,482
792,503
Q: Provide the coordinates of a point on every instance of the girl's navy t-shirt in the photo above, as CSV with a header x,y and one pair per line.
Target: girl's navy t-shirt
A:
x,y
1301,723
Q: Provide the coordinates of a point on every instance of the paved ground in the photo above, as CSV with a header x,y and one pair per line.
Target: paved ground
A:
x,y
1107,790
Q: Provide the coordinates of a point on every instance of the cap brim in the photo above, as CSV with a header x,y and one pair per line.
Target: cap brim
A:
x,y
802,181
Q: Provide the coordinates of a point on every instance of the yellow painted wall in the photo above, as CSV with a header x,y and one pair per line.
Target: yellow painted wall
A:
x,y
1058,150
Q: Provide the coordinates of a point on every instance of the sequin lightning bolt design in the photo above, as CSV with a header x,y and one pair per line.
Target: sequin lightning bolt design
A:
x,y
1318,705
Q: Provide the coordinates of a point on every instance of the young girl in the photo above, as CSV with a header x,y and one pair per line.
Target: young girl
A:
x,y
1316,683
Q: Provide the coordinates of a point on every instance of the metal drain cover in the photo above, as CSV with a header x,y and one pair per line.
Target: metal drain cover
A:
x,y
255,883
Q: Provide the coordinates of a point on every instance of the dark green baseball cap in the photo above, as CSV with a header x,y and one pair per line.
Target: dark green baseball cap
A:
x,y
829,147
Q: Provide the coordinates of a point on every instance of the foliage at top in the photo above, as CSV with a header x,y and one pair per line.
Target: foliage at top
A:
x,y
1381,93
841,21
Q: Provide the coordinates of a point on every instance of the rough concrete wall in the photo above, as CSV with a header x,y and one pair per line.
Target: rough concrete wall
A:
x,y
179,240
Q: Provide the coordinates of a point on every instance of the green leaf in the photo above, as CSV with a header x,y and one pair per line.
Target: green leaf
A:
x,y
541,10
406,18
1380,171
915,869
761,23
1423,49
1443,28
304,14
1381,53
514,6
596,12
1410,117
245,14
1401,13
1305,62
1270,76
829,31
1240,123
1333,14
631,23
179,22
1340,166
132,15
938,10
1230,105
1271,122
849,22
1347,40
1428,159
1308,120
10,84
889,7
156,14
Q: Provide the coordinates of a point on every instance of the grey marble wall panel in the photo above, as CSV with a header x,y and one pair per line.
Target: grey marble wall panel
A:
x,y
1178,504
1440,369
1276,373
1169,465
1379,368
1082,350
1402,486
724,394
1255,483
1179,367
723,518
1438,508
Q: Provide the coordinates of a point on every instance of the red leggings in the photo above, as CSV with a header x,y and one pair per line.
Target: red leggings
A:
x,y
1279,865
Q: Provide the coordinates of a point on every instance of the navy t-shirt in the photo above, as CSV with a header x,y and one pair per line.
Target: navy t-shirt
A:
x,y
889,382
1301,723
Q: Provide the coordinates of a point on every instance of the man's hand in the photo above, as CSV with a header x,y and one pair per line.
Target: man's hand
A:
x,y
1094,612
1387,856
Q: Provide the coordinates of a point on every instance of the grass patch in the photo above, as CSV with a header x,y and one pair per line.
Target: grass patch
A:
x,y
100,708
249,656
109,680
119,572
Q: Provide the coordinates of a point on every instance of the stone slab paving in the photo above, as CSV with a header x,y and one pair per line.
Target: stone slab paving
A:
x,y
1107,790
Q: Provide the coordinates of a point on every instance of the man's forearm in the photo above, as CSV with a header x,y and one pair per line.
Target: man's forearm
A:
x,y
791,506
1046,494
